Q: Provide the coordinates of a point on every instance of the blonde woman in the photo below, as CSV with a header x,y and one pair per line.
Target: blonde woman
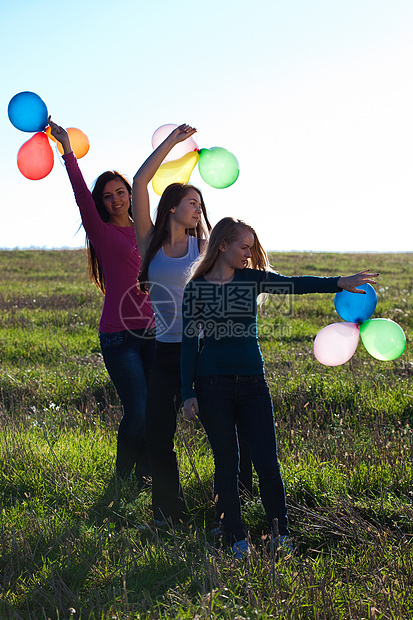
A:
x,y
224,383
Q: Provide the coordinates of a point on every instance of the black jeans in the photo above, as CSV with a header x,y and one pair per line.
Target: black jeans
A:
x,y
162,405
128,357
225,402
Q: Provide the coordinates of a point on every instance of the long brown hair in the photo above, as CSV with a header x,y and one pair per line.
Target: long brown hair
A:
x,y
170,198
95,270
228,229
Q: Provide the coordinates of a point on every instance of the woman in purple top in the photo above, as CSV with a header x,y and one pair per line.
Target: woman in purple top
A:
x,y
126,327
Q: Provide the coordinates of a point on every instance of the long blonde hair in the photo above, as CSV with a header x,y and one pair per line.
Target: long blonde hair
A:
x,y
228,229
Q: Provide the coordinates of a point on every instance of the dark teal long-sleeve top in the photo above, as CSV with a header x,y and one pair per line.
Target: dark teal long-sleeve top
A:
x,y
225,316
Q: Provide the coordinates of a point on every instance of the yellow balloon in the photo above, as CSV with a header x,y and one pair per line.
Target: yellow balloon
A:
x,y
176,171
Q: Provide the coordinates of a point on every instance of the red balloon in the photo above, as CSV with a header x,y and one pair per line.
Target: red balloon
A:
x,y
35,158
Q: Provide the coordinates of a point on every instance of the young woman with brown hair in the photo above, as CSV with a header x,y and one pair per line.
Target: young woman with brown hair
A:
x,y
126,327
169,246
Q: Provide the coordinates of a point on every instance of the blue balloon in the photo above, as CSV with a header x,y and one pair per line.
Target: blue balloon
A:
x,y
28,112
356,307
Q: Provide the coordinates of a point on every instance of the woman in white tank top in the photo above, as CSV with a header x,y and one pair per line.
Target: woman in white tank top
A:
x,y
168,247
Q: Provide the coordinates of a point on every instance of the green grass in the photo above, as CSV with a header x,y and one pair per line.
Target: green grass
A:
x,y
71,543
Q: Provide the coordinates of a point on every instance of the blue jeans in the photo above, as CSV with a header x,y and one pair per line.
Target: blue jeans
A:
x,y
128,357
225,402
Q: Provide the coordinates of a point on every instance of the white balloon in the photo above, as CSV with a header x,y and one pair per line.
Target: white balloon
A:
x,y
336,343
180,149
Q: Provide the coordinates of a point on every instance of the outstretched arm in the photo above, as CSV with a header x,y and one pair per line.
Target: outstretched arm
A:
x,y
350,283
61,136
140,195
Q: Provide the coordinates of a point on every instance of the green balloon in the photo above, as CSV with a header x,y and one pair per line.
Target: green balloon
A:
x,y
218,167
384,339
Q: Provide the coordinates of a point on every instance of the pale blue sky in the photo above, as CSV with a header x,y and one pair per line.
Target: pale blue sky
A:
x,y
314,97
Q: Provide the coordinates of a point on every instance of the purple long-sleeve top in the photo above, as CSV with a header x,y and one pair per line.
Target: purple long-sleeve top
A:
x,y
124,307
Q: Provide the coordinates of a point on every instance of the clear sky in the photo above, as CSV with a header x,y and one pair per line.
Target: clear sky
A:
x,y
314,97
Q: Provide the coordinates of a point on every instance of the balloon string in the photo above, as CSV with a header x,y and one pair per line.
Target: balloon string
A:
x,y
59,156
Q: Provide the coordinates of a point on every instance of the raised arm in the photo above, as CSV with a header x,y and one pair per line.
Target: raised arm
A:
x,y
91,220
61,136
140,194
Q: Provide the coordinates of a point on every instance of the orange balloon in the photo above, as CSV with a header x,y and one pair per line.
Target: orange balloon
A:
x,y
78,140
49,135
35,157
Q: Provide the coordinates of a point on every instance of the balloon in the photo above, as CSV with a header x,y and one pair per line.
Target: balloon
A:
x,y
28,112
356,307
336,343
35,158
218,167
177,171
78,140
180,149
49,134
384,339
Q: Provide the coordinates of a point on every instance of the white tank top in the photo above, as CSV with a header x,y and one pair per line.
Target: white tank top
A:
x,y
167,278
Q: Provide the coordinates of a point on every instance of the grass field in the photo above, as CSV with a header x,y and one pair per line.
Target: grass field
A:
x,y
70,542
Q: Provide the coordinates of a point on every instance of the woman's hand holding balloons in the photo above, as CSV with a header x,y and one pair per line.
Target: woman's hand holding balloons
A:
x,y
28,112
350,283
181,133
179,150
217,166
68,140
60,134
382,338
176,170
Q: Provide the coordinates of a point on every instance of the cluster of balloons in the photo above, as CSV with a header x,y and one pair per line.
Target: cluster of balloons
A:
x,y
35,159
217,166
336,344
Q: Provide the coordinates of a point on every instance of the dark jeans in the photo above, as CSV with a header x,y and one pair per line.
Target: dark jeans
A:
x,y
163,403
128,357
227,401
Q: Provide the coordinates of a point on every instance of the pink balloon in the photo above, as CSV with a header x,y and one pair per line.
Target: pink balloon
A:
x,y
336,343
180,149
